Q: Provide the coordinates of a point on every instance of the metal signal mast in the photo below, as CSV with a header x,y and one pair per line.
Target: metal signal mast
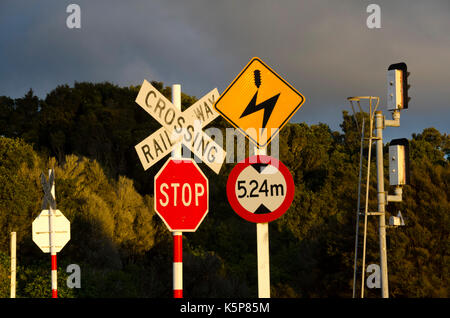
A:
x,y
397,99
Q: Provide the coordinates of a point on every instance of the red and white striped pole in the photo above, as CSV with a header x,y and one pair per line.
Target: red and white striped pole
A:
x,y
177,236
177,264
54,277
52,243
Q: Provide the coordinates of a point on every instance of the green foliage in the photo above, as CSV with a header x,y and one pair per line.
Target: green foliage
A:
x,y
111,224
87,133
18,188
33,281
5,266
421,251
106,215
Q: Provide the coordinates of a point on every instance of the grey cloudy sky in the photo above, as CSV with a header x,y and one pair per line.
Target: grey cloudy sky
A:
x,y
323,48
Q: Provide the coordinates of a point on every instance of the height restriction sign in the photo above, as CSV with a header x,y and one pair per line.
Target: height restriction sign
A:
x,y
260,189
259,102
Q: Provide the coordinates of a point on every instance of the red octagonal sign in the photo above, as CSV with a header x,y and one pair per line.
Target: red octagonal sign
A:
x,y
181,195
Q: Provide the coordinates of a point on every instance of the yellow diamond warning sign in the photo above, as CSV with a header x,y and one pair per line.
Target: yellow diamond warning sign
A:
x,y
259,102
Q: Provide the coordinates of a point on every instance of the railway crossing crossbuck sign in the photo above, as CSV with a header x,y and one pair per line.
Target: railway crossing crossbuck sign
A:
x,y
178,126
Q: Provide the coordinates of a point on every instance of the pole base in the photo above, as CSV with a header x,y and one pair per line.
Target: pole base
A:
x,y
177,293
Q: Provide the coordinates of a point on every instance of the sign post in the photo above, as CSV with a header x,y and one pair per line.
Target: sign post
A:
x,y
178,264
182,202
51,229
262,244
13,265
51,208
181,189
260,189
177,235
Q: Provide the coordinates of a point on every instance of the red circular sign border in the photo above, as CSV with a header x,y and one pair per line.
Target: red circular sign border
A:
x,y
244,213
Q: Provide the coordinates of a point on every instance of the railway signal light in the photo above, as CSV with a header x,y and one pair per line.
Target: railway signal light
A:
x,y
398,87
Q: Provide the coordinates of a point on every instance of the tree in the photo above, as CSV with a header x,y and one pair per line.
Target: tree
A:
x,y
19,194
87,133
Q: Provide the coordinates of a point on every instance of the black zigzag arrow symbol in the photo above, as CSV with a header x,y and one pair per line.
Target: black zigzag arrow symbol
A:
x,y
268,105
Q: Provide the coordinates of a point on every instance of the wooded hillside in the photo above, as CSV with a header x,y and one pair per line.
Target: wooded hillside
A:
x,y
88,133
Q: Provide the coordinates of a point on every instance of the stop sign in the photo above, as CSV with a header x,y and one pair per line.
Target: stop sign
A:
x,y
181,195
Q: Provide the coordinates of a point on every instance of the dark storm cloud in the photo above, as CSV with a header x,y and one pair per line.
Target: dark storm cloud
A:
x,y
323,48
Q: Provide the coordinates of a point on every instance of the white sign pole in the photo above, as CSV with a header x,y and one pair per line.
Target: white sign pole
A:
x,y
262,242
177,236
176,101
51,211
13,264
262,237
